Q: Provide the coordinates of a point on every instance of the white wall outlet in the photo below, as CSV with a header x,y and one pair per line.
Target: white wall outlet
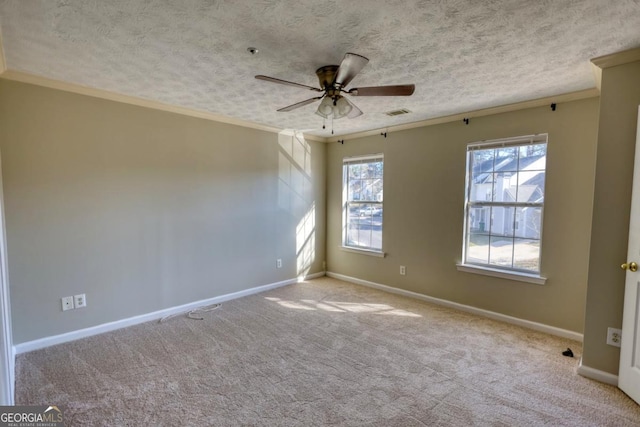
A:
x,y
80,300
278,263
67,303
403,270
614,336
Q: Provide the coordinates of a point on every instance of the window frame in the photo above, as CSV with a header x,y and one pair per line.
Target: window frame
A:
x,y
347,204
509,272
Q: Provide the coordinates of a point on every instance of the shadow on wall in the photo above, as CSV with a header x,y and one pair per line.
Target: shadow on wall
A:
x,y
295,194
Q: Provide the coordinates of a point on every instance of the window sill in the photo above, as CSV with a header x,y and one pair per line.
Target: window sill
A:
x,y
512,275
363,251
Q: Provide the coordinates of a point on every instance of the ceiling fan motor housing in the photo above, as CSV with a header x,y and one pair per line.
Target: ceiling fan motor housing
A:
x,y
326,76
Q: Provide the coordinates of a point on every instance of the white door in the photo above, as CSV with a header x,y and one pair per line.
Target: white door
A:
x,y
629,374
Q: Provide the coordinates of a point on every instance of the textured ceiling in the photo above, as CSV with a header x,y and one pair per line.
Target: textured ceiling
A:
x,y
462,55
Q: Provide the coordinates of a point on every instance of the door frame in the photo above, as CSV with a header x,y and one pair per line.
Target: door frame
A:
x,y
7,352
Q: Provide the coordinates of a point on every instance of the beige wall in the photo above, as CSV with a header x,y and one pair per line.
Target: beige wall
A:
x,y
423,213
612,201
144,210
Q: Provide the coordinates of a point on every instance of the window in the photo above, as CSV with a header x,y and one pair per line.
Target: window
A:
x,y
505,203
362,202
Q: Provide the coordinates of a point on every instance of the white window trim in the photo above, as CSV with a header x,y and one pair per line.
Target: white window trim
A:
x,y
369,252
503,274
487,270
355,249
509,142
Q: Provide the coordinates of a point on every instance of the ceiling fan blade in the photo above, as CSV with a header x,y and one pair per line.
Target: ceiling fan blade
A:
x,y
355,111
349,68
397,90
285,82
300,104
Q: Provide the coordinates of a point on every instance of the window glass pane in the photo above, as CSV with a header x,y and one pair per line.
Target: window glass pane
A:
x,y
354,189
526,255
355,171
481,164
479,219
376,190
478,248
501,251
377,169
506,159
481,189
353,233
353,211
363,228
482,161
502,220
366,191
371,189
367,170
504,186
354,180
370,210
533,157
531,186
353,236
528,222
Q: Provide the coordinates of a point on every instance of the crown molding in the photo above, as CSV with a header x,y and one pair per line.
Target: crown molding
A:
x,y
597,75
141,102
540,102
607,61
618,58
33,79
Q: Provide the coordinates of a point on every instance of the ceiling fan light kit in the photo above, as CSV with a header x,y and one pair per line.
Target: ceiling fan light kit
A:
x,y
334,108
333,80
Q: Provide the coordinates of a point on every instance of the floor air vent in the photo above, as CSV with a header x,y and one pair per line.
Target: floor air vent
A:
x,y
397,112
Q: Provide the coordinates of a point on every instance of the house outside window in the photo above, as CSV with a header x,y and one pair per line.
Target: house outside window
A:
x,y
505,203
363,202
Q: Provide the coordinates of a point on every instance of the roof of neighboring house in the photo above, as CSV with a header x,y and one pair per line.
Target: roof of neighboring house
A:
x,y
526,193
530,190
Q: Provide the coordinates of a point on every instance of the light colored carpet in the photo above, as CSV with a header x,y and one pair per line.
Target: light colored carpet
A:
x,y
322,352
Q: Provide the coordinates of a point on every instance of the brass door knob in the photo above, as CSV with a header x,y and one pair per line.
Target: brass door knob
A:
x,y
632,266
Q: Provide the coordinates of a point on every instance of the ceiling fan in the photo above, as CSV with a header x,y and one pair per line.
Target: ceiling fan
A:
x,y
333,81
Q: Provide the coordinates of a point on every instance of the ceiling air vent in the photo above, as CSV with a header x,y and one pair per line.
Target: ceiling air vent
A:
x,y
397,112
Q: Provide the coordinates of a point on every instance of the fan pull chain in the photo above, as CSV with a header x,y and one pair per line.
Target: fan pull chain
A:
x,y
331,124
323,123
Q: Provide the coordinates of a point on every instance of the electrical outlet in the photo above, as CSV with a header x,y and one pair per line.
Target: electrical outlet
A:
x,y
278,263
403,270
80,300
67,303
614,336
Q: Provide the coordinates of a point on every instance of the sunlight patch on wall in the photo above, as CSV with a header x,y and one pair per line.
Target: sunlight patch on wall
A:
x,y
295,194
306,241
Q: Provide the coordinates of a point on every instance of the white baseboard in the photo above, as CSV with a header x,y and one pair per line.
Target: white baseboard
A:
x,y
596,374
314,275
148,317
551,330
